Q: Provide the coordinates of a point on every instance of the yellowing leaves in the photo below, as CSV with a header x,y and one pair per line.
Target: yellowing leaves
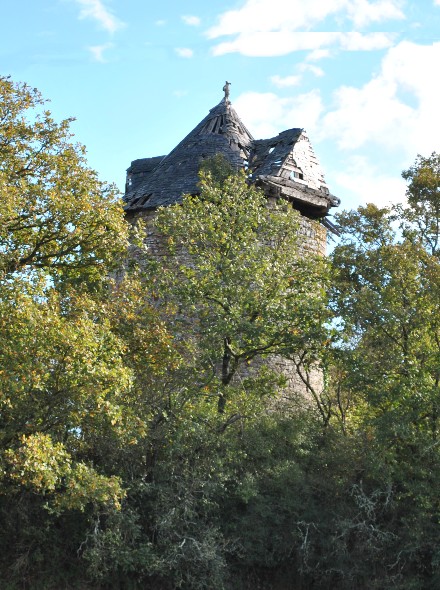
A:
x,y
55,215
46,467
38,463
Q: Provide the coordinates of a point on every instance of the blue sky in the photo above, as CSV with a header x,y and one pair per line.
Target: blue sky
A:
x,y
361,76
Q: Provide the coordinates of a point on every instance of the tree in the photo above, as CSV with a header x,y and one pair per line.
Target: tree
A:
x,y
62,374
238,281
422,215
136,449
387,296
231,286
55,214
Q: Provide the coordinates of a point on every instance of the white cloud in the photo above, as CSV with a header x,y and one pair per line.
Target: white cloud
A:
x,y
296,79
160,23
271,43
193,21
285,82
365,42
363,12
318,54
365,183
397,108
437,2
185,52
267,114
274,15
97,52
96,10
278,27
305,67
368,114
287,16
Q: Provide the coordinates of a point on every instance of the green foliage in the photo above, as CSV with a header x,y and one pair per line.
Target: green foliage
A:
x,y
236,276
54,212
218,168
62,377
136,445
229,288
387,296
422,214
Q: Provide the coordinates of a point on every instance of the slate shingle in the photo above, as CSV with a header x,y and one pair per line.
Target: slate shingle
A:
x,y
285,165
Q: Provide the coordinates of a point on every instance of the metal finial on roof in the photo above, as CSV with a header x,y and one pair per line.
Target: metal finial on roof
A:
x,y
226,90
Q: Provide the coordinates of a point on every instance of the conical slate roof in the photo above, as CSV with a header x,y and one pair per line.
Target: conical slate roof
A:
x,y
221,132
285,166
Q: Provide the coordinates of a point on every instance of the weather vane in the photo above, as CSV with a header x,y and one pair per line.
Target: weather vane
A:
x,y
226,89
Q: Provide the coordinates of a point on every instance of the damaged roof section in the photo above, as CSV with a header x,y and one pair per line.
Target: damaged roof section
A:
x,y
285,166
139,171
221,132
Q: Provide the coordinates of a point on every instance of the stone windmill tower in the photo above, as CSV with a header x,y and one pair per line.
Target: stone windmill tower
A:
x,y
285,167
